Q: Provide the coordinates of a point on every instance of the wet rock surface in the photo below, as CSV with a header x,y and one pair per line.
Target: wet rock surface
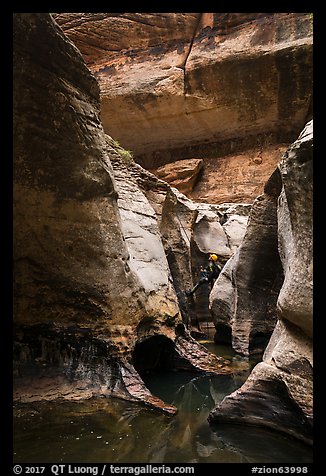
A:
x,y
244,297
278,393
102,429
104,250
82,296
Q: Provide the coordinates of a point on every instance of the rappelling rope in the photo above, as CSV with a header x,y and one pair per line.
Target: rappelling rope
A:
x,y
176,214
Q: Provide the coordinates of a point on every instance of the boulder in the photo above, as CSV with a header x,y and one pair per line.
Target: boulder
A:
x,y
182,174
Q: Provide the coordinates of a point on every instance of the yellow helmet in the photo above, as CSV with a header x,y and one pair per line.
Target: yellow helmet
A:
x,y
213,257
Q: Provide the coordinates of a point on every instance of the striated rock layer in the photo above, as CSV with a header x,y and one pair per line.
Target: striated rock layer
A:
x,y
184,85
279,391
84,242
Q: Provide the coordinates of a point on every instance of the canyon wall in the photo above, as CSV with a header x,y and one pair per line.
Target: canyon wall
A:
x,y
82,299
243,300
194,85
279,391
103,250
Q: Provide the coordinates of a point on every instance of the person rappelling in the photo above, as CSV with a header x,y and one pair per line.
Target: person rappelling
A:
x,y
208,274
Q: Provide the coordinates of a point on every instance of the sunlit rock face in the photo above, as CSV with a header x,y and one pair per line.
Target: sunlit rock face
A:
x,y
184,85
238,177
279,391
182,174
82,298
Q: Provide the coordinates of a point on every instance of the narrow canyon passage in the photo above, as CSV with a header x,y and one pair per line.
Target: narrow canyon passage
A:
x,y
148,147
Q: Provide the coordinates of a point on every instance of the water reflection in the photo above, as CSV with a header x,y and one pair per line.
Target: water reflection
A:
x,y
111,430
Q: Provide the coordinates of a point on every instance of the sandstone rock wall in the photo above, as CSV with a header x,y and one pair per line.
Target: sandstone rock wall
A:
x,y
237,177
82,299
279,391
191,231
295,217
100,36
243,300
64,194
85,312
183,85
182,174
143,240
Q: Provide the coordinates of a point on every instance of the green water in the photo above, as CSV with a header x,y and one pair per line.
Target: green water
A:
x,y
110,430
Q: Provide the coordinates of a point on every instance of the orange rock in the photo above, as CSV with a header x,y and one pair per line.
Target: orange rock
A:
x,y
182,174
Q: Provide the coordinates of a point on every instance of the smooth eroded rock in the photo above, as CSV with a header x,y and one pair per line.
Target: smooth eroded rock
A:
x,y
180,85
91,278
279,391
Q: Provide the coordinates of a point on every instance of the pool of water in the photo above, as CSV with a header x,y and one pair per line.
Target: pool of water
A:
x,y
111,430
